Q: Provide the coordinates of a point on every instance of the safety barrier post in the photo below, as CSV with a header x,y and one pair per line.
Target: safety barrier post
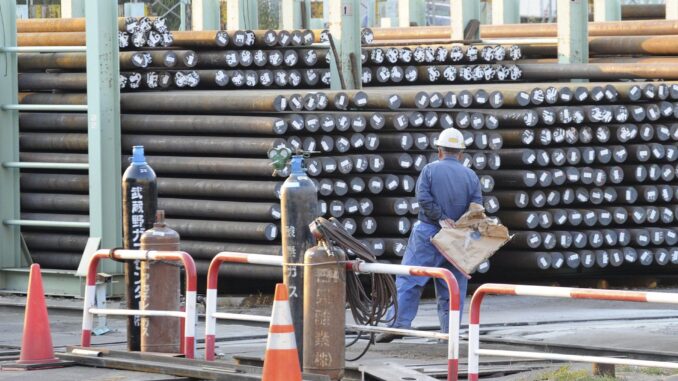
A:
x,y
454,318
189,314
211,314
474,350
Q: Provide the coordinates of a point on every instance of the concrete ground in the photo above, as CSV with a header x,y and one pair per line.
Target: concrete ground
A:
x,y
626,327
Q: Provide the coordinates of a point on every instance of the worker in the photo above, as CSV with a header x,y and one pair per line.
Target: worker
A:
x,y
445,189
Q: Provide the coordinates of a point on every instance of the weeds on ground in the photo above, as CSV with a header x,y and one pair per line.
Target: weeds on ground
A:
x,y
564,373
648,371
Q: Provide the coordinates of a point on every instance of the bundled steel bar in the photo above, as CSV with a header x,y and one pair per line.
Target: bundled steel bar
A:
x,y
160,123
611,71
174,101
156,144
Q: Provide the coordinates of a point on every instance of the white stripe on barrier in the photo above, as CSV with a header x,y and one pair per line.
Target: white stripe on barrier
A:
x,y
453,346
87,318
270,260
383,268
555,292
577,358
210,310
474,347
660,297
133,254
281,341
121,312
190,313
242,317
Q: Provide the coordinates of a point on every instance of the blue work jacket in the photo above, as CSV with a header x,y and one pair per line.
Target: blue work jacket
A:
x,y
445,189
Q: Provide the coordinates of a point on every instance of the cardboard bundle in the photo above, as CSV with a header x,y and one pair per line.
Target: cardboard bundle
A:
x,y
474,238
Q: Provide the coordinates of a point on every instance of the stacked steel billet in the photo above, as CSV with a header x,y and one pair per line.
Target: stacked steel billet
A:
x,y
595,190
141,68
212,168
582,173
133,32
215,181
286,59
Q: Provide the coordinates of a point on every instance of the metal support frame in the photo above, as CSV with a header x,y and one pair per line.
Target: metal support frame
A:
x,y
573,31
672,9
505,11
344,20
606,10
206,15
103,131
291,15
242,14
72,8
461,12
10,236
411,11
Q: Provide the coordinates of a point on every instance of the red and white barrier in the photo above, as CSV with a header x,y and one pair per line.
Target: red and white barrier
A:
x,y
211,315
474,350
189,315
433,272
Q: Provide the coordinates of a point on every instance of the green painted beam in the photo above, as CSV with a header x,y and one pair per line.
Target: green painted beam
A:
x,y
344,18
72,8
463,11
242,14
606,10
505,12
10,248
103,131
206,15
573,31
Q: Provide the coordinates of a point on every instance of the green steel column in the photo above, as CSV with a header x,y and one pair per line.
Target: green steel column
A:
x,y
606,10
291,15
72,8
242,14
205,15
103,132
573,31
10,248
344,20
461,12
505,11
672,9
182,15
411,11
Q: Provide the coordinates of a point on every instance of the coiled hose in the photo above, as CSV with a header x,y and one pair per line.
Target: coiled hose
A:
x,y
367,308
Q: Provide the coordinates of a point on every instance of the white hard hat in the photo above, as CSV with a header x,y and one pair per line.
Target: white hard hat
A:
x,y
451,138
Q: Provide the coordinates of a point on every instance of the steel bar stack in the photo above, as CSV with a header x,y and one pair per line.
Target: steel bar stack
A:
x,y
584,174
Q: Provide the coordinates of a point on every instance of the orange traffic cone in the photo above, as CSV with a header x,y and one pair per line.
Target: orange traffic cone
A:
x,y
281,362
36,344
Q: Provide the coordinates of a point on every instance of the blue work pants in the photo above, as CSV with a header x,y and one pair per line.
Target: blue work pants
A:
x,y
421,252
